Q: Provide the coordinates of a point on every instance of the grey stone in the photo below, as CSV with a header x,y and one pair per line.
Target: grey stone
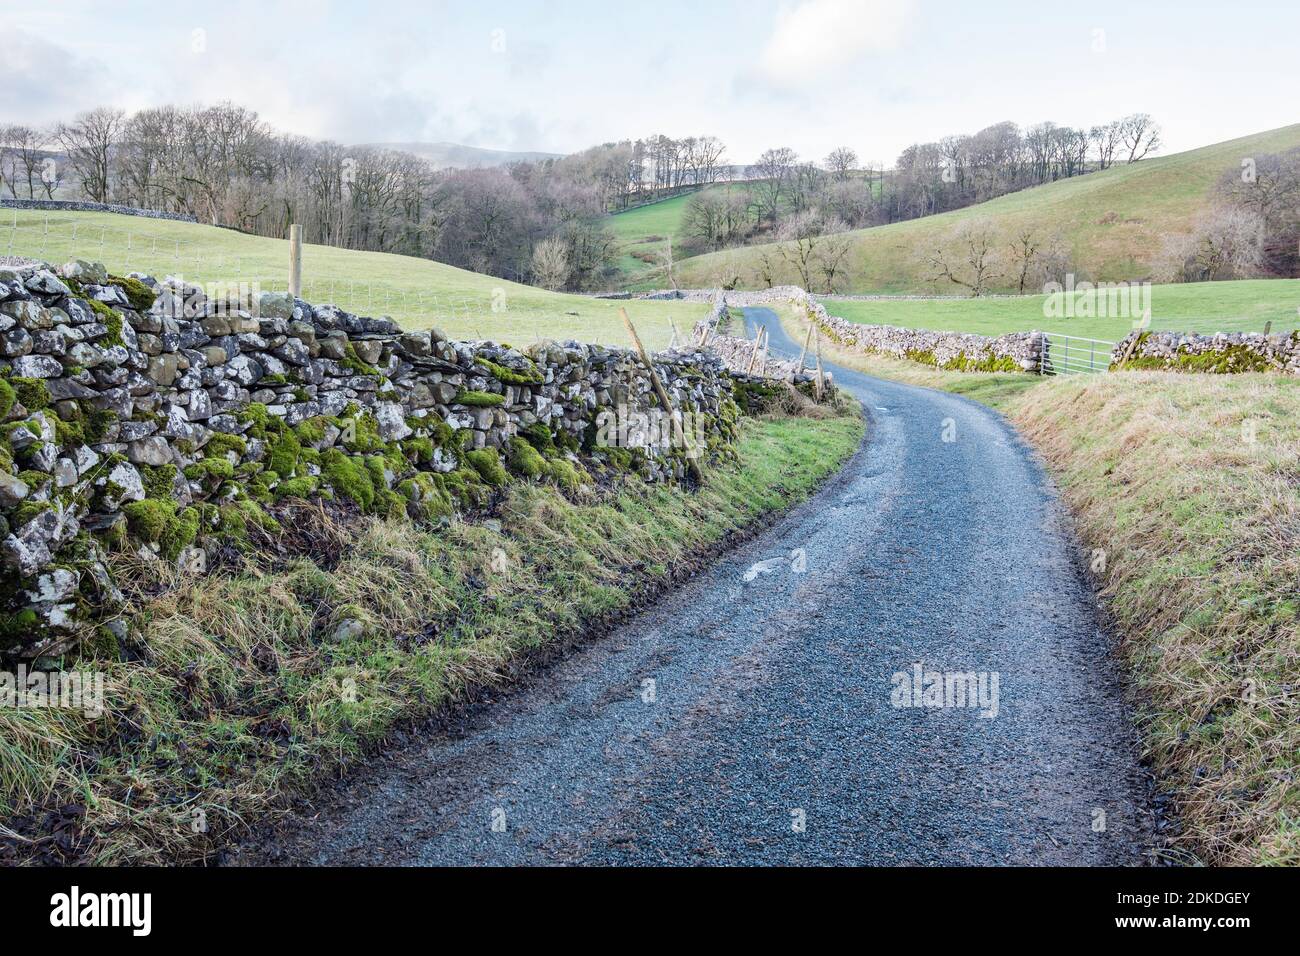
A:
x,y
150,451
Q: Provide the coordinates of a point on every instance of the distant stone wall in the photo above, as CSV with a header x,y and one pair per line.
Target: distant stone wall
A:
x,y
1225,352
152,416
955,351
742,356
76,205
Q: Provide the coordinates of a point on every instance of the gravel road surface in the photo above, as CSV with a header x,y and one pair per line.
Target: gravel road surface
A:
x,y
753,717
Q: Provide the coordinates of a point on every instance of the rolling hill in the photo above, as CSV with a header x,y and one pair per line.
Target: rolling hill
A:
x,y
1113,220
643,235
417,293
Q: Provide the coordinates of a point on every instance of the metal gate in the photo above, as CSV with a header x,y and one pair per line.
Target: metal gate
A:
x,y
1073,354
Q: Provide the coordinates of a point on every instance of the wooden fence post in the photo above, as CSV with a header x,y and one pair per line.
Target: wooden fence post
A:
x,y
802,352
821,382
295,260
680,432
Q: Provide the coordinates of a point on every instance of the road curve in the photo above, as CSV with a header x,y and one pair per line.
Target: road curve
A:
x,y
770,733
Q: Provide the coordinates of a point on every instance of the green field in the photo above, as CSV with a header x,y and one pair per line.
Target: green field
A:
x,y
417,293
1190,307
1115,221
646,231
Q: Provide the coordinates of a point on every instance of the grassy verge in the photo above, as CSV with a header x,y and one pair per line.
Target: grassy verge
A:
x,y
242,687
1186,491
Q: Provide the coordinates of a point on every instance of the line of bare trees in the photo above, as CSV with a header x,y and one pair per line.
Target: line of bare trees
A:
x,y
1251,230
223,165
963,170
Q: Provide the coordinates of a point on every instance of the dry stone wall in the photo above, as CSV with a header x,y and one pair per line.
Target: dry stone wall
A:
x,y
741,355
157,417
1225,352
78,205
957,351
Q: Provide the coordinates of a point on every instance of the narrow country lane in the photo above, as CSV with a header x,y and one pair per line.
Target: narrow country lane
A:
x,y
754,721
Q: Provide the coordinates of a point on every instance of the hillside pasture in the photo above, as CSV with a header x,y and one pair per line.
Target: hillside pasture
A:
x,y
417,293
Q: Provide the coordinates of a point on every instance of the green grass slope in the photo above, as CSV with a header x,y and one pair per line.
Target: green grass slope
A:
x,y
417,293
1114,220
1244,306
643,234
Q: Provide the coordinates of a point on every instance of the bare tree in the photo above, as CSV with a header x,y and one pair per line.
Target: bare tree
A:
x,y
840,162
89,142
798,241
1225,243
833,252
551,263
1106,139
1026,249
774,170
768,266
22,145
1140,134
970,260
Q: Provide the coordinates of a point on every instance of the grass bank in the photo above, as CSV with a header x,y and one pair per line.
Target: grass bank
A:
x,y
240,688
1241,306
418,293
1185,490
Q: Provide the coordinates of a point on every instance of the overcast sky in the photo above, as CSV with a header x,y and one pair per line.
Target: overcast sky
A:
x,y
812,74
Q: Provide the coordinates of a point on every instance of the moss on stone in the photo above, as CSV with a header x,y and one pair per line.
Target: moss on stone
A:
x,y
523,459
260,420
27,510
566,474
218,469
348,477
159,482
222,443
539,436
98,422
312,430
508,376
487,463
479,399
352,362
466,486
160,522
364,437
31,392
7,398
426,495
303,487
419,449
235,519
138,294
111,318
283,452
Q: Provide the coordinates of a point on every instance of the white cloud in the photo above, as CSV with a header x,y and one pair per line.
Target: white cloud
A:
x,y
816,35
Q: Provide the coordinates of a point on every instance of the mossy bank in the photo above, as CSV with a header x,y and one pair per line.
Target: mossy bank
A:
x,y
228,693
